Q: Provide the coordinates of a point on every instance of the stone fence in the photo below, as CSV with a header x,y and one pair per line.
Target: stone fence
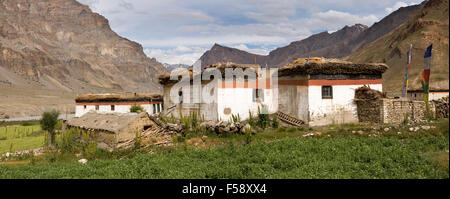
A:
x,y
394,111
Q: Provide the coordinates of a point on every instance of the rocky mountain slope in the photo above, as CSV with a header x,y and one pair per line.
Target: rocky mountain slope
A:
x,y
334,45
63,45
61,48
171,67
427,25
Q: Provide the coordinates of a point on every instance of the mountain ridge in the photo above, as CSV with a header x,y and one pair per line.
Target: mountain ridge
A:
x,y
338,44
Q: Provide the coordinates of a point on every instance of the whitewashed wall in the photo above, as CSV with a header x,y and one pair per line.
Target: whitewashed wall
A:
x,y
431,96
240,101
340,109
80,110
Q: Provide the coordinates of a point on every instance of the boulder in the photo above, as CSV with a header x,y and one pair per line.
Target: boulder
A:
x,y
82,161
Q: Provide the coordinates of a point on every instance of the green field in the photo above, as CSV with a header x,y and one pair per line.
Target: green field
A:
x,y
16,137
283,153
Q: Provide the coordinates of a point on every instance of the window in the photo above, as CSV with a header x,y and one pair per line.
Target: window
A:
x,y
84,106
258,95
97,107
158,108
180,94
113,108
154,108
327,92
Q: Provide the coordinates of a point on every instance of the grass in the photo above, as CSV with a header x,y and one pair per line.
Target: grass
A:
x,y
287,158
16,137
282,153
337,152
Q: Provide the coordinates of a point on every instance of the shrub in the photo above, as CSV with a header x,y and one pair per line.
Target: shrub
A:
x,y
275,123
263,117
48,123
251,121
136,109
138,140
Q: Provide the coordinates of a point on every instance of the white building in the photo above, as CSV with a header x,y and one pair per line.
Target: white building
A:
x,y
117,103
230,97
323,93
433,94
319,92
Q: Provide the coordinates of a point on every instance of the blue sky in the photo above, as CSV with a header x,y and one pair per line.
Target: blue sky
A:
x,y
177,31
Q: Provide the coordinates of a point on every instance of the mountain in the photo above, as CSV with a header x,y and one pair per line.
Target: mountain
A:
x,y
171,67
427,25
335,45
61,46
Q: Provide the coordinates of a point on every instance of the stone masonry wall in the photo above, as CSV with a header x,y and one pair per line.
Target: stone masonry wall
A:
x,y
391,110
369,110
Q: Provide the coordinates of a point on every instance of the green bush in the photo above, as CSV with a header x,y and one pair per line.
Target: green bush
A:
x,y
48,123
137,109
275,123
263,117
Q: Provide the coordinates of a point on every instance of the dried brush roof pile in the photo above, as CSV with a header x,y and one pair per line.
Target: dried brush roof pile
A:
x,y
165,78
366,93
125,97
333,67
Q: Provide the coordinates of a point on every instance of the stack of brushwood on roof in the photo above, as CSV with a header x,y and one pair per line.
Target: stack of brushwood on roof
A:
x,y
125,97
165,78
179,72
366,93
333,67
442,107
368,104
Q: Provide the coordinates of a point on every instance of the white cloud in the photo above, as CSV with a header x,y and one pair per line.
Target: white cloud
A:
x,y
334,20
398,5
176,31
258,51
173,56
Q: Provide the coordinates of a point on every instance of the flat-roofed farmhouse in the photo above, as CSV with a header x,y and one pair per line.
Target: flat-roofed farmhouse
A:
x,y
322,92
234,96
117,103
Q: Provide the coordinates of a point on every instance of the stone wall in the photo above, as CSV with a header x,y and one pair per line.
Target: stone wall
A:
x,y
392,110
369,110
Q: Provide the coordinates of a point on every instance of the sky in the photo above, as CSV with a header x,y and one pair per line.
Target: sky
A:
x,y
180,31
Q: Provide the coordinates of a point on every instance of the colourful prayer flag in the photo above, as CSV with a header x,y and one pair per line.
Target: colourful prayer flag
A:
x,y
426,70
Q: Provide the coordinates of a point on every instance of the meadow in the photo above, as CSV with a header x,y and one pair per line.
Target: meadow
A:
x,y
16,136
337,152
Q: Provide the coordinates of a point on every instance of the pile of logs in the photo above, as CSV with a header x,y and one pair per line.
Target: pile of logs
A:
x,y
441,107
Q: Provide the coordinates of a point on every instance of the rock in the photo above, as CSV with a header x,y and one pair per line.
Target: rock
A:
x,y
353,132
204,137
386,129
82,161
361,132
232,126
425,127
7,154
399,133
416,128
308,134
317,133
246,128
411,129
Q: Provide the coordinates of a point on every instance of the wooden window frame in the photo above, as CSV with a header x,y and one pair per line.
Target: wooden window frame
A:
x,y
330,96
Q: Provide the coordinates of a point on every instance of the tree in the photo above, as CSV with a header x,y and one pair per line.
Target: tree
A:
x,y
48,123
